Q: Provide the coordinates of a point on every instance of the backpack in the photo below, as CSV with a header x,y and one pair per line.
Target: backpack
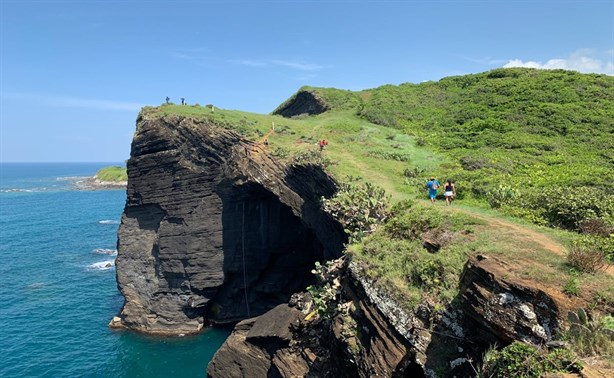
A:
x,y
434,186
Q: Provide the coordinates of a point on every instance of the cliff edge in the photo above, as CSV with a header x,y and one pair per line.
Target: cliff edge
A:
x,y
214,229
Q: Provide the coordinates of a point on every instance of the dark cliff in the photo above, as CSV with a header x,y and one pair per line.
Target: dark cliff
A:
x,y
369,334
302,102
214,229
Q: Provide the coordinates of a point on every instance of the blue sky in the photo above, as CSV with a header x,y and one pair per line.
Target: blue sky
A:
x,y
75,73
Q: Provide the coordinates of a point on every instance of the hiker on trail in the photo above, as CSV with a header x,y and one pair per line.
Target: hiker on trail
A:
x,y
182,101
167,99
449,191
323,143
432,186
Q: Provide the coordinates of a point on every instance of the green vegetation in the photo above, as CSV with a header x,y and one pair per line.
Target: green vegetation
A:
x,y
395,255
360,208
591,336
522,145
522,360
112,174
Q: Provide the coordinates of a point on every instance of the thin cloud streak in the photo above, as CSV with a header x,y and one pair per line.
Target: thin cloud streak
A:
x,y
485,61
297,66
72,102
300,66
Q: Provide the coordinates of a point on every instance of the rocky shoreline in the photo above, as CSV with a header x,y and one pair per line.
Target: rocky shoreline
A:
x,y
93,183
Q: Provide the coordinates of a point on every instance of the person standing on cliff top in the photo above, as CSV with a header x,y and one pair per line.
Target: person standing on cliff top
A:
x,y
182,101
167,99
433,185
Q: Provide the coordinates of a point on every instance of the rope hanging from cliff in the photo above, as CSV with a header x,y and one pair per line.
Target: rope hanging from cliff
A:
x,y
243,250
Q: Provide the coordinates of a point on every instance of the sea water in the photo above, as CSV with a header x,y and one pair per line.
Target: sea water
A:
x,y
57,284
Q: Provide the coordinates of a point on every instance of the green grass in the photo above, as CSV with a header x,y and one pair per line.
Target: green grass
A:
x,y
351,139
112,173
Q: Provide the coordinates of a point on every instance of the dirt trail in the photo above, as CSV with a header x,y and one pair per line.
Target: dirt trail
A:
x,y
526,234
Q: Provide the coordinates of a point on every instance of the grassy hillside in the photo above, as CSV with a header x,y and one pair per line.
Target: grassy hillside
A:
x,y
535,144
545,137
112,174
522,145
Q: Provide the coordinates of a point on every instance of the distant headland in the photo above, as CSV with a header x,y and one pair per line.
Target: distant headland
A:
x,y
111,177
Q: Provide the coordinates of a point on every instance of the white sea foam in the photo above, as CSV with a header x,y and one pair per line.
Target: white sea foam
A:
x,y
103,265
17,190
109,221
36,285
105,251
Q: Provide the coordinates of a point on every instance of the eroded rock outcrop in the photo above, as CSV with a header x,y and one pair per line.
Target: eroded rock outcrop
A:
x,y
302,102
370,334
214,228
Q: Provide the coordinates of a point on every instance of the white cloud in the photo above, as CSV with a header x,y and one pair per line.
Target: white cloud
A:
x,y
71,102
297,65
584,60
300,66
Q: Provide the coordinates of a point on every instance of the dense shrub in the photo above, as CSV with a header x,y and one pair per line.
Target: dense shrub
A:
x,y
501,195
360,208
311,157
570,207
523,360
598,227
585,258
413,223
591,335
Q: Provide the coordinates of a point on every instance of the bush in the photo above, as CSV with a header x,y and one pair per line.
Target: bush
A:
x,y
570,207
311,157
589,245
523,360
590,336
360,208
501,195
586,259
412,224
597,227
412,173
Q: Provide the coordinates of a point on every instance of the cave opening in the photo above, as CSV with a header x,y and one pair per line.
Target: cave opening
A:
x,y
268,253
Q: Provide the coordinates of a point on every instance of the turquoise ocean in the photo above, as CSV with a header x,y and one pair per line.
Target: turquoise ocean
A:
x,y
58,289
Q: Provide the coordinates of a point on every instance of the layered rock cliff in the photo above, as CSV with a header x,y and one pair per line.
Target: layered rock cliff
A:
x,y
214,229
369,334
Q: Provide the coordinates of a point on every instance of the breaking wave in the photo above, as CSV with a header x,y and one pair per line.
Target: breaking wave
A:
x,y
109,221
105,251
103,265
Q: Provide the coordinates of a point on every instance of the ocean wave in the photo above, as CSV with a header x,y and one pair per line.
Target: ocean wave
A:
x,y
109,221
102,265
19,190
36,285
105,251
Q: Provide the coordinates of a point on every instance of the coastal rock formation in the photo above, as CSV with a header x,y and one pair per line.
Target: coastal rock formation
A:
x,y
214,229
302,102
370,334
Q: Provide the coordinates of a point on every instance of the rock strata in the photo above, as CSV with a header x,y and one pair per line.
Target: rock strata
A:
x,y
214,229
369,334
